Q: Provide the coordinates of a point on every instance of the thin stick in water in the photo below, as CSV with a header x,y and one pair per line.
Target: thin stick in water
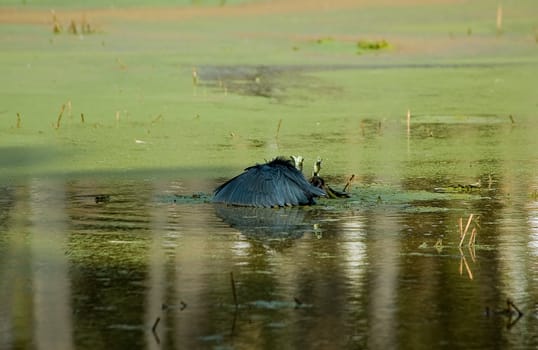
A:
x,y
511,303
499,19
69,109
408,121
59,120
512,120
155,324
472,239
469,272
233,289
348,183
278,127
466,228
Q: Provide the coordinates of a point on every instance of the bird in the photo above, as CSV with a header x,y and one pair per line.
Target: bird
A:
x,y
277,183
318,182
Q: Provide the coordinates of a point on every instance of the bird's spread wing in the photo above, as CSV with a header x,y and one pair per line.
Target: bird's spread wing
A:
x,y
267,185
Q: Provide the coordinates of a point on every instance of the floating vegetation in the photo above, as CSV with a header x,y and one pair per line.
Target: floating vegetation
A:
x,y
372,44
325,40
459,188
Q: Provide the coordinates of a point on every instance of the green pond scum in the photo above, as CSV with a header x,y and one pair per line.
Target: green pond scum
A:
x,y
118,119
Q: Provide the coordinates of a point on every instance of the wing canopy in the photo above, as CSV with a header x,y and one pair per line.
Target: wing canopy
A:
x,y
272,184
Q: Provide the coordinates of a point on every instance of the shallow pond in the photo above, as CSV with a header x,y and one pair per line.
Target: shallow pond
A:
x,y
112,142
138,260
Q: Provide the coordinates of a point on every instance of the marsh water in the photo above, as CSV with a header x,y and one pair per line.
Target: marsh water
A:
x,y
113,140
94,261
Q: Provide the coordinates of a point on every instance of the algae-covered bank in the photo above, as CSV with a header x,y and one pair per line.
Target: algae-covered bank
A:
x,y
119,118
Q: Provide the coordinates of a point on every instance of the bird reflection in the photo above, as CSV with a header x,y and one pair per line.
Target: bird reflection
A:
x,y
265,222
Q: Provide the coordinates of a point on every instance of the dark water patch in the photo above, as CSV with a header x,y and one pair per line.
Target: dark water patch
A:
x,y
251,71
268,80
355,263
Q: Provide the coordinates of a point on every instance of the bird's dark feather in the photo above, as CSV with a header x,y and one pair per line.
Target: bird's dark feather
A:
x,y
276,183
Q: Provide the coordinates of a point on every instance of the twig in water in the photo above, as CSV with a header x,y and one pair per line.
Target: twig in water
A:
x,y
466,228
511,304
348,183
298,302
463,261
278,127
122,65
58,122
499,19
154,329
472,239
233,289
408,122
512,119
69,109
156,119
155,324
194,76
472,253
73,27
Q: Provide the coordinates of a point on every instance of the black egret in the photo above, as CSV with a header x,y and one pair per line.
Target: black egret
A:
x,y
318,181
277,183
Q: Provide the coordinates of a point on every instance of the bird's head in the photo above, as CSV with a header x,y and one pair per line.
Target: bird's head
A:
x,y
317,167
298,161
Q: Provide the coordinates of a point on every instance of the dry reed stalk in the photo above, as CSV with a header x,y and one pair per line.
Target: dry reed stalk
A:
x,y
408,122
512,120
499,19
469,272
194,76
472,239
472,253
59,120
69,109
466,228
278,127
157,118
348,183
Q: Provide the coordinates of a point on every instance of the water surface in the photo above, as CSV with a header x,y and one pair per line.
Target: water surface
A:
x,y
108,238
91,262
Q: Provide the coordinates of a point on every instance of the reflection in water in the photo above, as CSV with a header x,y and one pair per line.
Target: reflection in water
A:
x,y
51,285
76,272
269,223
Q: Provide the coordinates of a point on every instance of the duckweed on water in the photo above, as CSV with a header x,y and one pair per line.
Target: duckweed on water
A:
x,y
372,44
